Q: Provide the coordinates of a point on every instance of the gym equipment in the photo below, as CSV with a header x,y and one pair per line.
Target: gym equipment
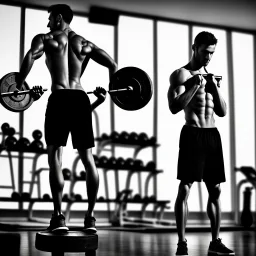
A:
x,y
151,165
138,164
114,136
218,78
133,138
130,88
111,162
11,131
103,161
246,216
37,134
15,196
66,173
5,128
72,241
124,137
83,175
11,99
36,146
46,197
142,138
78,197
129,163
104,136
25,196
10,143
23,144
120,162
101,199
137,198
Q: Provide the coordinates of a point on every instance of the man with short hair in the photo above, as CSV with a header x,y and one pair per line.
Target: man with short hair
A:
x,y
69,109
200,147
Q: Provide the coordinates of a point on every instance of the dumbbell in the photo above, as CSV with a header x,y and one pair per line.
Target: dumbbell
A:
x,y
46,197
103,161
101,199
78,197
120,162
25,196
104,136
5,128
137,198
83,175
129,163
133,138
36,145
142,138
66,174
138,164
16,196
23,144
124,137
151,165
111,162
114,136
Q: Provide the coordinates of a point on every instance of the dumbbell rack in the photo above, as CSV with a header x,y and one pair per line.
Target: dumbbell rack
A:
x,y
120,216
35,180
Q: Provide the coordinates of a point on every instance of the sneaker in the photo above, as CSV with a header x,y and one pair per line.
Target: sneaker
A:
x,y
57,224
216,247
89,225
182,249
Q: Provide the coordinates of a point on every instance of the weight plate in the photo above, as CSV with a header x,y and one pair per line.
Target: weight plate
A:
x,y
14,103
139,81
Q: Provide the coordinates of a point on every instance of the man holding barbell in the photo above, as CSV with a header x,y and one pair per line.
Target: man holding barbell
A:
x,y
200,147
68,109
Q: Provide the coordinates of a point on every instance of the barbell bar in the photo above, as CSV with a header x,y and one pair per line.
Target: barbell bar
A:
x,y
129,88
14,93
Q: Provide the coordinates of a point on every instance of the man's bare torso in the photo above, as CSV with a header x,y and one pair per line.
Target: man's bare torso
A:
x,y
199,111
65,58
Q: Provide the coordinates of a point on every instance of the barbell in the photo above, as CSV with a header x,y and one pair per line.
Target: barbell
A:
x,y
130,89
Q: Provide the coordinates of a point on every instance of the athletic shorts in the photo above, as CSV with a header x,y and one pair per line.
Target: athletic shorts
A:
x,y
69,111
200,155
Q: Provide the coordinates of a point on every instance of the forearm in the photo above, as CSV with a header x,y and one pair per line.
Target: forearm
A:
x,y
220,107
96,103
181,101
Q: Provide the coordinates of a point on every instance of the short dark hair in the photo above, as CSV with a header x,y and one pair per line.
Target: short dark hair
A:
x,y
62,9
205,37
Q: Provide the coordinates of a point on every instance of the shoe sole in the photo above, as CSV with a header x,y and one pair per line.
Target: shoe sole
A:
x,y
60,230
220,253
91,230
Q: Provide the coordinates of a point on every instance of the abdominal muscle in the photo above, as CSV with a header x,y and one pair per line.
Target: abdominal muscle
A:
x,y
199,111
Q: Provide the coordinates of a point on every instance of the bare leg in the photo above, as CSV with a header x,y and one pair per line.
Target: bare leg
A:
x,y
56,176
181,209
214,208
92,178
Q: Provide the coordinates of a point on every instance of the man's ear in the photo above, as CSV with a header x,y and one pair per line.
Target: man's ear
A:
x,y
193,47
59,18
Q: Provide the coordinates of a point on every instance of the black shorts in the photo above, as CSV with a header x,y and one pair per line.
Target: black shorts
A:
x,y
69,111
200,155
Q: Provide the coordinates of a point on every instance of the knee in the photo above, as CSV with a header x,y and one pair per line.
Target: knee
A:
x,y
214,193
183,192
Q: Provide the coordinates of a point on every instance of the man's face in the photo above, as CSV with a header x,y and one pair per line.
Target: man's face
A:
x,y
204,53
52,24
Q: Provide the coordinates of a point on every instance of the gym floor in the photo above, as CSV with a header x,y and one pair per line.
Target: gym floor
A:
x,y
133,243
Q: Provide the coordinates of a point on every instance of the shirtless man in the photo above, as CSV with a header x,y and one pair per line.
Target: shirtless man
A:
x,y
200,153
68,109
